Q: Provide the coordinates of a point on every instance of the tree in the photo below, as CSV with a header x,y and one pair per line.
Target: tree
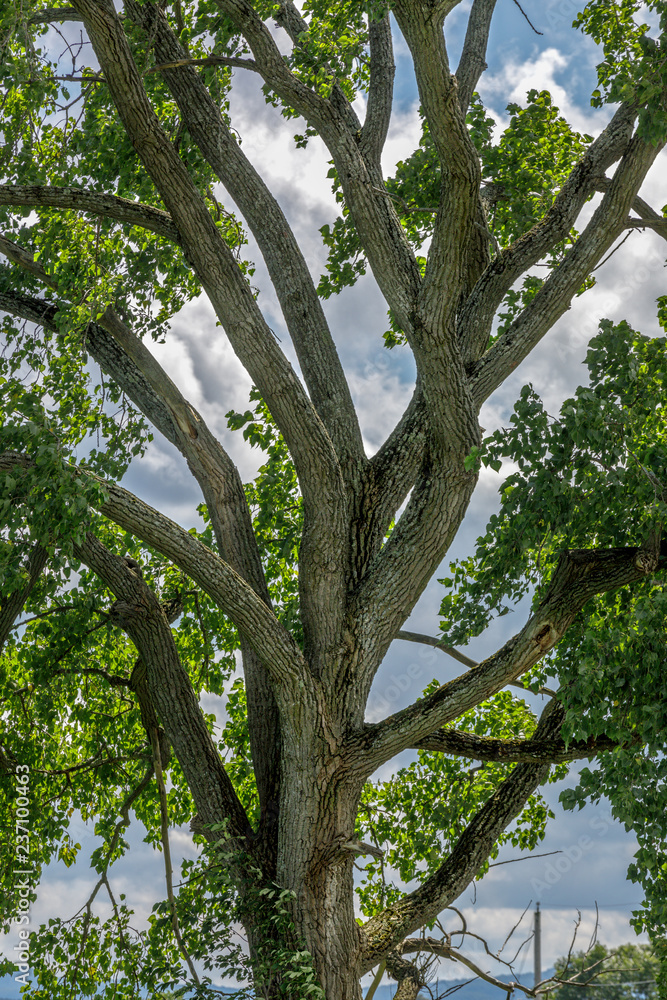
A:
x,y
631,975
115,618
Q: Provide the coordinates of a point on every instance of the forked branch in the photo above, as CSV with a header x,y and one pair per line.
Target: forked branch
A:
x,y
388,929
477,315
554,297
579,575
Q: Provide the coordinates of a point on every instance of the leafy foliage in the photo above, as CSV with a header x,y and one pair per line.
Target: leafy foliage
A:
x,y
634,67
594,475
631,975
419,814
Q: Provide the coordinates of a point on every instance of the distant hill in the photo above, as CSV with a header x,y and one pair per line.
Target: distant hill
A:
x,y
477,990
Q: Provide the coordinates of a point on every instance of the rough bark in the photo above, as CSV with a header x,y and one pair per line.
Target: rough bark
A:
x,y
138,612
12,605
312,750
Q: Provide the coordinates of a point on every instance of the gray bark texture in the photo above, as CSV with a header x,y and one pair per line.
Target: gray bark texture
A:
x,y
359,582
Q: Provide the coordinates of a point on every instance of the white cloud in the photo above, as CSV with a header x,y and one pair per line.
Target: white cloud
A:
x,y
517,76
558,928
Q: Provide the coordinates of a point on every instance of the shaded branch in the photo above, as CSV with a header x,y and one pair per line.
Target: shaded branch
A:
x,y
463,744
19,255
80,200
205,61
166,851
113,680
138,612
657,225
12,605
579,575
401,570
473,56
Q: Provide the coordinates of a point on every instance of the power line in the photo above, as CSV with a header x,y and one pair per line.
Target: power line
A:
x,y
574,906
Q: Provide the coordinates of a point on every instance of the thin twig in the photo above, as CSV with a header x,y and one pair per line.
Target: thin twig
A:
x,y
159,777
206,61
612,252
526,857
527,18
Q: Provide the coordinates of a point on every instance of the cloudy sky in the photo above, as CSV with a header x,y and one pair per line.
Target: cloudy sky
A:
x,y
594,849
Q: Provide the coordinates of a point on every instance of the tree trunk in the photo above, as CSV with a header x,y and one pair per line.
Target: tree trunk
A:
x,y
317,816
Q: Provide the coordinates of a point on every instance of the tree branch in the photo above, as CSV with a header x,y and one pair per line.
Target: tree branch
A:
x,y
554,297
12,605
477,315
272,642
54,14
19,255
462,744
399,573
379,229
166,852
473,57
205,61
137,611
579,575
287,268
432,332
109,206
429,640
649,218
380,92
406,974
388,929
289,18
212,260
387,480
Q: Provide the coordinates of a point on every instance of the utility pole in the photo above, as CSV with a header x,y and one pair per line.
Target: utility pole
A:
x,y
537,946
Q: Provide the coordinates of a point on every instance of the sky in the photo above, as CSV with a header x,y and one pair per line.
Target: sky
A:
x,y
594,850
